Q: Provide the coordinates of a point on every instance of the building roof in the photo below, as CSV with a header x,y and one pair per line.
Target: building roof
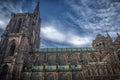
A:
x,y
64,49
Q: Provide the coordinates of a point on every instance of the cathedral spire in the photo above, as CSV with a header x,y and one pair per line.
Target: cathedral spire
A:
x,y
118,34
36,10
108,36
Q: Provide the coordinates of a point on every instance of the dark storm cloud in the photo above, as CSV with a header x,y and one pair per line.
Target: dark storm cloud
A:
x,y
115,0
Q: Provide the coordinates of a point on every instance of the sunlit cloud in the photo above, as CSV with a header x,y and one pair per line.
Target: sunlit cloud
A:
x,y
2,24
80,41
53,34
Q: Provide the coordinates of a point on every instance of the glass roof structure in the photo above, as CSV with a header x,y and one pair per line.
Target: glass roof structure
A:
x,y
55,67
64,49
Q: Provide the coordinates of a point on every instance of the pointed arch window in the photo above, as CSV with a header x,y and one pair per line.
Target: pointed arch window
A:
x,y
62,59
18,26
36,77
118,55
14,25
63,76
12,48
4,72
49,76
76,76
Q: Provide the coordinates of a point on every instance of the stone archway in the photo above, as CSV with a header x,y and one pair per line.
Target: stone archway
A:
x,y
4,71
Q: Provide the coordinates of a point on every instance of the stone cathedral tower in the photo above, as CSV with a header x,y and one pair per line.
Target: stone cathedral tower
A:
x,y
22,34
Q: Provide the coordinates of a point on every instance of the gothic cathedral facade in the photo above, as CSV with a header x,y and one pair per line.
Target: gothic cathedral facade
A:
x,y
21,58
21,35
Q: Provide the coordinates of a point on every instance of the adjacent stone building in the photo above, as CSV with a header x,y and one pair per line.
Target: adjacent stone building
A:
x,y
22,59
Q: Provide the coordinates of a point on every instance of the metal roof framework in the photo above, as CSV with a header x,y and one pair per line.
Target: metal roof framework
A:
x,y
64,49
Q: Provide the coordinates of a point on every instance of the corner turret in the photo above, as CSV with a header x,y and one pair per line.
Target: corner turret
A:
x,y
117,40
101,42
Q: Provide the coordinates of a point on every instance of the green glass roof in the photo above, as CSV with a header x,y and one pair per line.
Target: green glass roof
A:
x,y
53,67
37,68
63,67
64,49
75,67
99,63
56,67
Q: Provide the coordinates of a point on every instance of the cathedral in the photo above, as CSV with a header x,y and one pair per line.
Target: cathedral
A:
x,y
21,58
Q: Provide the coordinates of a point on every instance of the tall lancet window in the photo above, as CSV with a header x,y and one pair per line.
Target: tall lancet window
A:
x,y
118,55
13,27
12,48
17,30
76,76
49,76
4,72
63,76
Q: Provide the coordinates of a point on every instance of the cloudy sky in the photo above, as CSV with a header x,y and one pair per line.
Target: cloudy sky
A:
x,y
68,23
